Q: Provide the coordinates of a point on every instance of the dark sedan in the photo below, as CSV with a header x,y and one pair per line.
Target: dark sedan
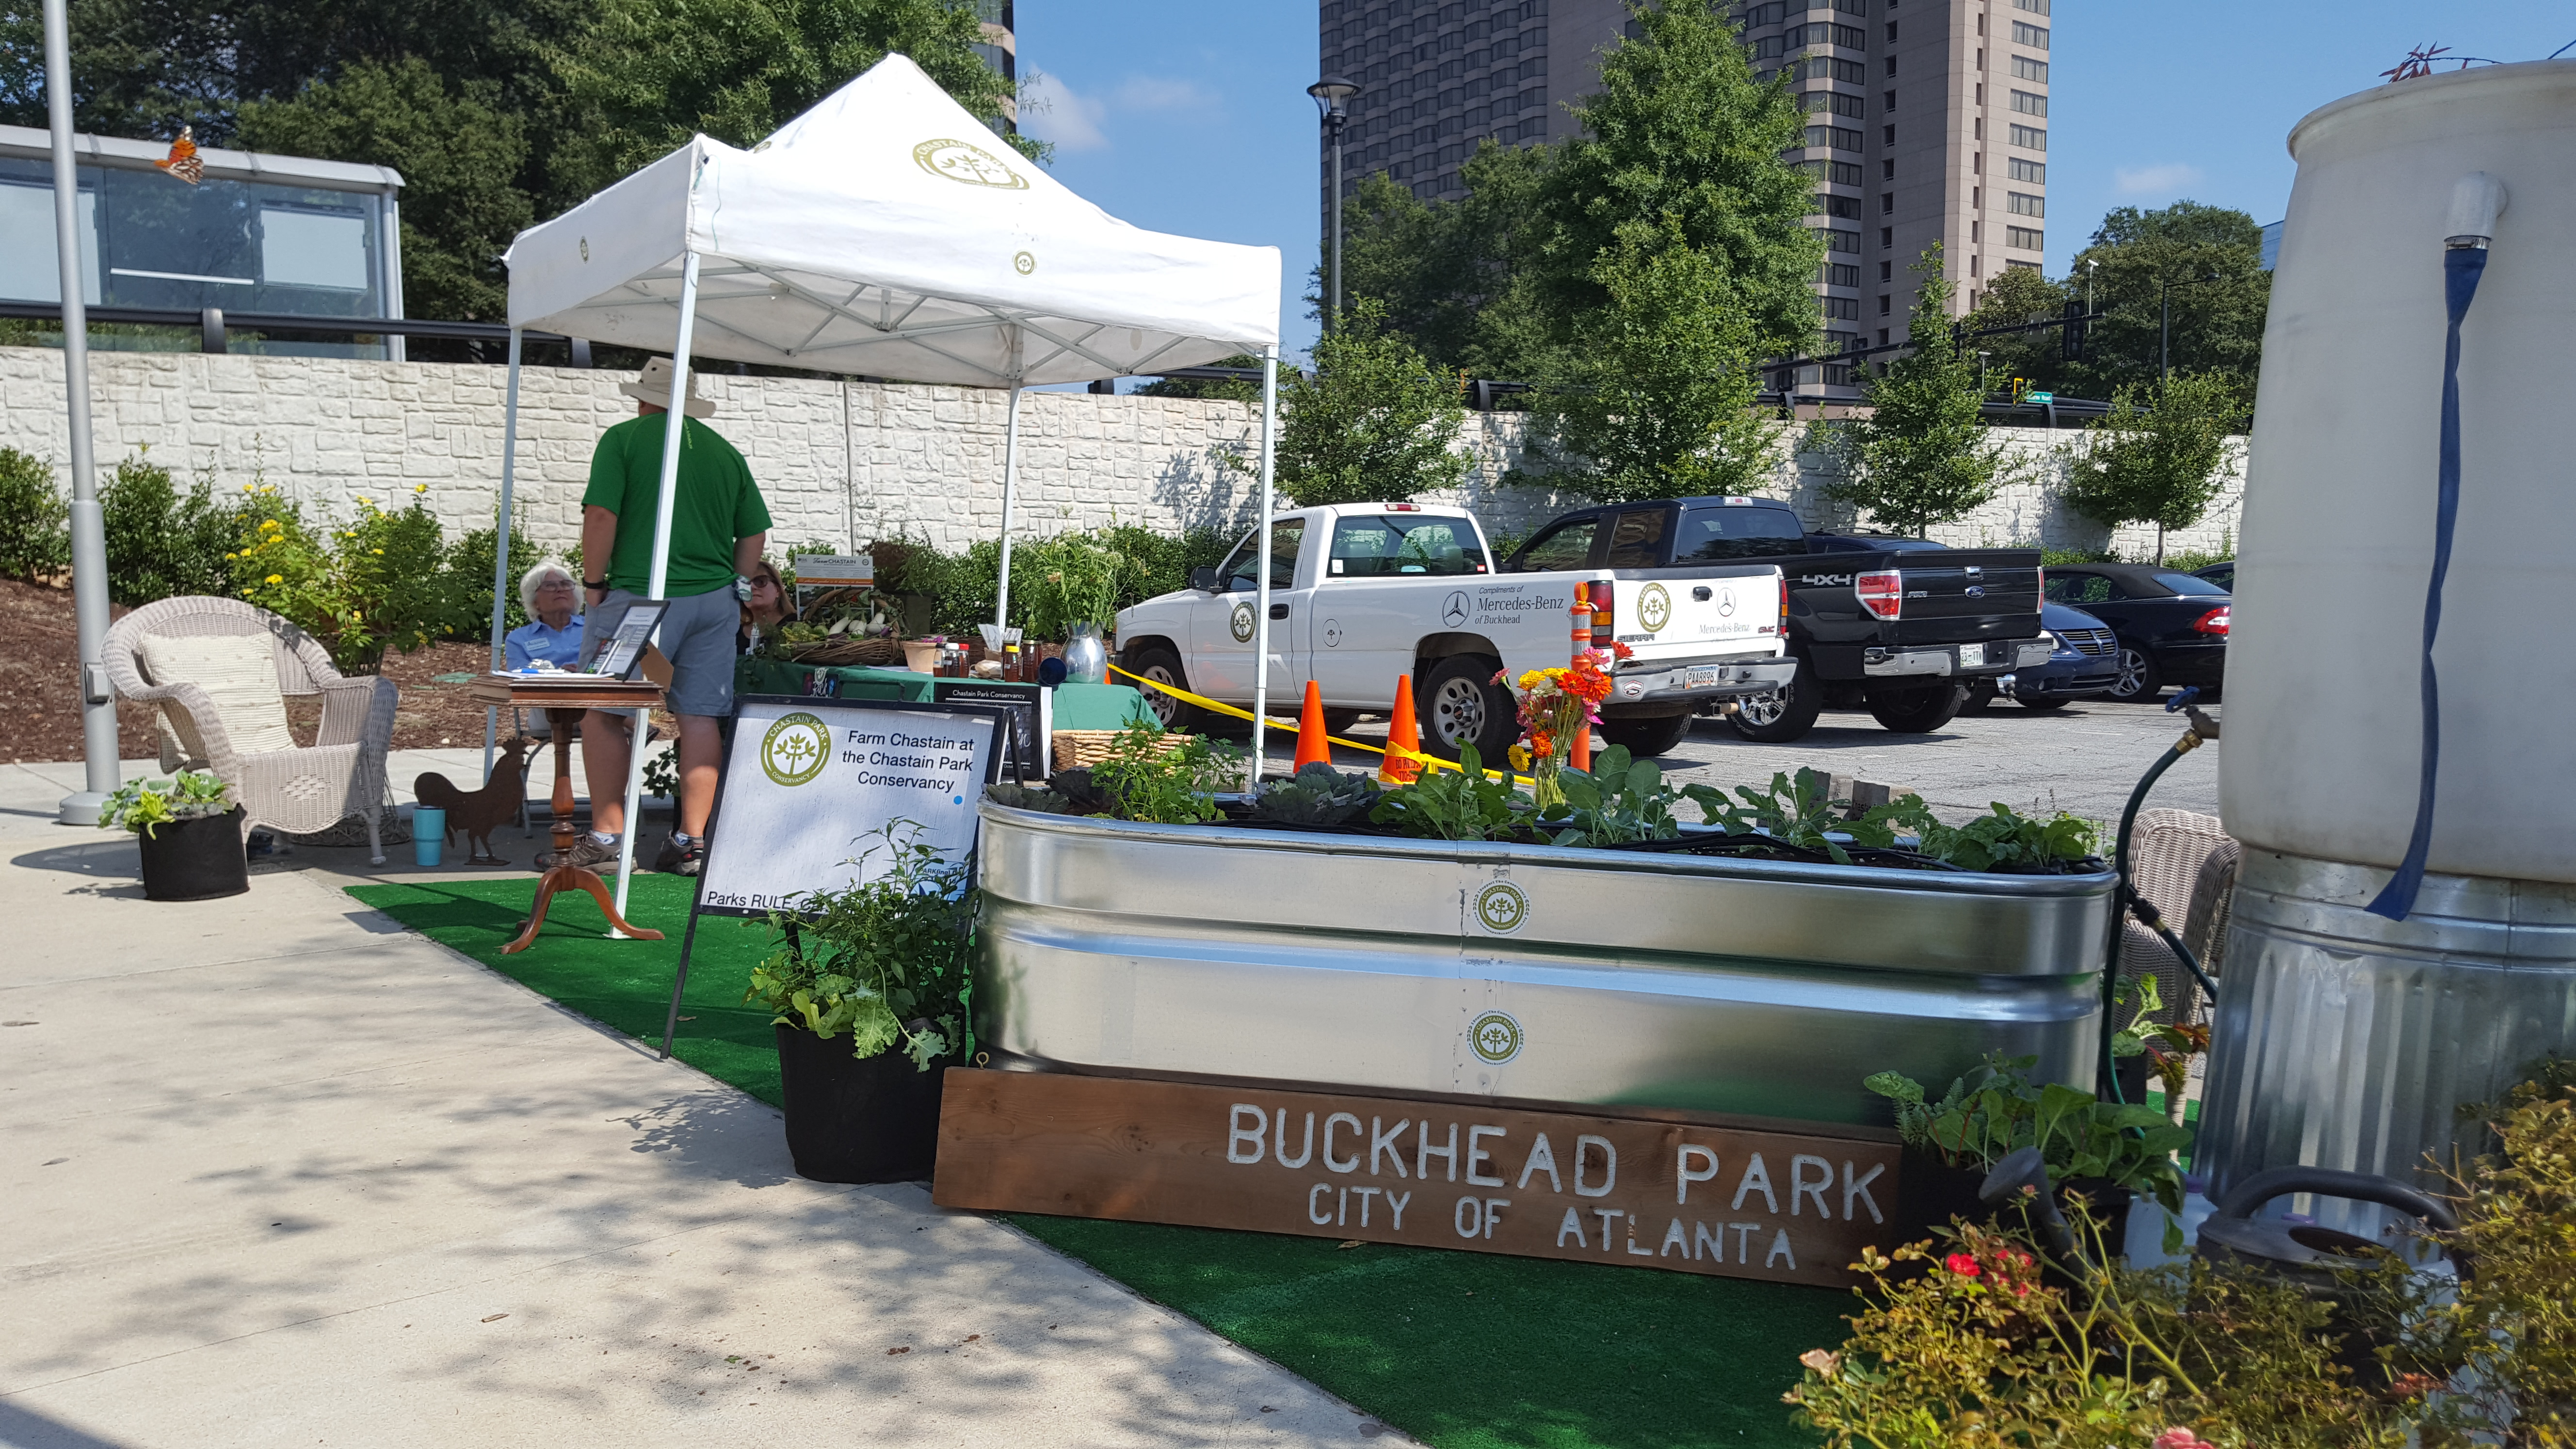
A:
x,y
2086,664
2221,574
2171,626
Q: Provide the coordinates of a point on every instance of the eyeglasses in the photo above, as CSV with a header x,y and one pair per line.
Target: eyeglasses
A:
x,y
551,585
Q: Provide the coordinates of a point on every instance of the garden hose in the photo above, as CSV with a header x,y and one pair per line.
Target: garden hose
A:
x,y
2202,728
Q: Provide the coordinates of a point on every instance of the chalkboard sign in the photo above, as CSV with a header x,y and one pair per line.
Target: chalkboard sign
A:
x,y
808,778
1030,715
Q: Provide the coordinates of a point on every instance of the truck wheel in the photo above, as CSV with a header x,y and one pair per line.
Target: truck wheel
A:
x,y
1917,711
1783,714
1339,721
1645,737
1164,667
1460,704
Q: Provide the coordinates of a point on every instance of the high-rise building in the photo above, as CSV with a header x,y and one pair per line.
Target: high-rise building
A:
x,y
1927,122
1000,49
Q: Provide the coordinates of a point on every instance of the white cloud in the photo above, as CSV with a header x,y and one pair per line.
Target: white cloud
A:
x,y
1053,113
1156,93
2163,180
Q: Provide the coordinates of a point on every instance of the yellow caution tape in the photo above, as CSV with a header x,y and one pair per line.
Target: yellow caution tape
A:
x,y
1221,707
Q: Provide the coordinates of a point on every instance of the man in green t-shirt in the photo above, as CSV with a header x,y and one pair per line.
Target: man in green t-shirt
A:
x,y
718,524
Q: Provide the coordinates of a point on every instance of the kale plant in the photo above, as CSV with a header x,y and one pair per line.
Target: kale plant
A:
x,y
1316,795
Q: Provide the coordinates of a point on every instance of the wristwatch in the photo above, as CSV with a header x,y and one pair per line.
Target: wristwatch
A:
x,y
599,584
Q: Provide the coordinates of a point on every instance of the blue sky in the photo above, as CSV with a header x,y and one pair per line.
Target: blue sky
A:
x,y
1193,118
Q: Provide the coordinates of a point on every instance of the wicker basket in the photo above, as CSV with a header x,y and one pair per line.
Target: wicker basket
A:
x,y
873,653
1080,749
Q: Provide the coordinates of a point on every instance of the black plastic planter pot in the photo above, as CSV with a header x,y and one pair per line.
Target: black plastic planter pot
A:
x,y
851,1119
195,860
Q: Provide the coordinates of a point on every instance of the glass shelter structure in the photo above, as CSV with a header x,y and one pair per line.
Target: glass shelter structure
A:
x,y
264,235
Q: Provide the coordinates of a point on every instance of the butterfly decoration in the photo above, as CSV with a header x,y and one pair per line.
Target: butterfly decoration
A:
x,y
184,162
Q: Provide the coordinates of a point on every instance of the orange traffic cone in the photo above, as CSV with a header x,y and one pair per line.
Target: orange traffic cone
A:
x,y
1580,757
1311,749
1401,735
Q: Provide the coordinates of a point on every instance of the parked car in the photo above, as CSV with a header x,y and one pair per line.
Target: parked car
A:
x,y
1896,625
2221,574
2171,626
2085,664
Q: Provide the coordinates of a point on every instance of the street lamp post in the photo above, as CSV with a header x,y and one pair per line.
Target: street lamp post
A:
x,y
1332,97
88,524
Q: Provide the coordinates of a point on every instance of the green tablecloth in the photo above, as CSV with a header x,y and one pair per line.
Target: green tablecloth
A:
x,y
757,674
1099,707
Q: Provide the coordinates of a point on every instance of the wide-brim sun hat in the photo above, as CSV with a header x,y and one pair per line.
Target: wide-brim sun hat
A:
x,y
653,385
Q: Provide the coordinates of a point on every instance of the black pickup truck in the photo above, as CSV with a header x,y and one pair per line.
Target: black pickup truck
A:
x,y
1896,625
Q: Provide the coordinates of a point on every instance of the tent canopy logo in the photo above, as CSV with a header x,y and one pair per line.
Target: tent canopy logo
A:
x,y
964,161
795,748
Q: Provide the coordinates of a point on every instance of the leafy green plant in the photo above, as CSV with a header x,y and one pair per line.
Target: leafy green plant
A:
x,y
35,522
1063,581
162,543
142,806
379,582
1031,797
469,573
1316,795
2005,839
1619,801
1147,777
1800,811
888,961
1460,804
1996,1109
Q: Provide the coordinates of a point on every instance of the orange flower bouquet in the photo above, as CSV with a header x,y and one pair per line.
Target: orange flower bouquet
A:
x,y
1552,705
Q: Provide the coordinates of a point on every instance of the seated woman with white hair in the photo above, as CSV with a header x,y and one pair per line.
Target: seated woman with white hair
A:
x,y
553,630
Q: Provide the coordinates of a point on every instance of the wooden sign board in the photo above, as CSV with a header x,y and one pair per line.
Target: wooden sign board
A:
x,y
1539,1184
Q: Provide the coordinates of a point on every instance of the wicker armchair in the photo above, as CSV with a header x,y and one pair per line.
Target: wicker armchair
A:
x,y
2185,865
297,791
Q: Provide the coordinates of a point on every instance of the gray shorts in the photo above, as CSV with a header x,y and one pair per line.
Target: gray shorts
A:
x,y
698,636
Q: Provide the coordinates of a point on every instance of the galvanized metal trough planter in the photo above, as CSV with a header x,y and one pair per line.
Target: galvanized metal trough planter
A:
x,y
1545,974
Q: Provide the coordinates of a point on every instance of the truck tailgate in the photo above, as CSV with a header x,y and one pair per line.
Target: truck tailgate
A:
x,y
1953,596
1668,615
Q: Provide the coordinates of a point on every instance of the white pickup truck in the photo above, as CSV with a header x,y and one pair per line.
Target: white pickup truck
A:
x,y
1362,593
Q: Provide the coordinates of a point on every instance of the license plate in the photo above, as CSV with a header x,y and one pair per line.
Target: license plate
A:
x,y
1700,676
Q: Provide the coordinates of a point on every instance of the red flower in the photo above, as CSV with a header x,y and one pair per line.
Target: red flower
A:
x,y
1621,650
1963,1264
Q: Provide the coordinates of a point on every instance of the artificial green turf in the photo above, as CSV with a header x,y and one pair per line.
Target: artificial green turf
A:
x,y
1461,1350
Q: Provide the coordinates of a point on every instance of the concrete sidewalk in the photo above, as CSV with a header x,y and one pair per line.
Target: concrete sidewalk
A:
x,y
280,1172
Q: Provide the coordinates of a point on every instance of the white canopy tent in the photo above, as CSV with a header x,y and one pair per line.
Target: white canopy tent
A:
x,y
884,232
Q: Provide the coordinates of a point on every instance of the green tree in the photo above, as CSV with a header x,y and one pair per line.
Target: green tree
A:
x,y
1656,396
162,543
2016,296
1923,455
648,74
2160,457
459,152
1681,129
2139,257
1448,271
1374,422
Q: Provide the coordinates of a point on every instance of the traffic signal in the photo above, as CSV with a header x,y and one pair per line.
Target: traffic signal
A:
x,y
2070,336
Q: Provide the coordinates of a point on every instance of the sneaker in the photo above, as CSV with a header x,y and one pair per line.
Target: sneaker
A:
x,y
669,858
585,852
691,859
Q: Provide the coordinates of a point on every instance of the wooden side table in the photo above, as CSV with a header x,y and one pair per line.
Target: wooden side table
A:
x,y
564,705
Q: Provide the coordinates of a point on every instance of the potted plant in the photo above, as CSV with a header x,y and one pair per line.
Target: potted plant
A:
x,y
2102,1151
868,995
190,833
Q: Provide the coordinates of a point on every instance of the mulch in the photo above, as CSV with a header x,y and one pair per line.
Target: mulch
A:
x,y
40,716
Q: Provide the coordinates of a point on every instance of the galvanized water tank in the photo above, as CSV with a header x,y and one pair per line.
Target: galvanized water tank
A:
x,y
2344,1039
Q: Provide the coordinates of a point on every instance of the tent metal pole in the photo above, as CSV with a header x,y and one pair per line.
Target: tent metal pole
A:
x,y
501,542
1010,487
88,523
672,438
1261,545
